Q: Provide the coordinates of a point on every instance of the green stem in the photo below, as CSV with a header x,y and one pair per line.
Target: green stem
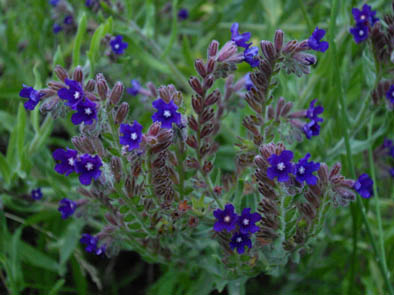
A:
x,y
306,16
377,207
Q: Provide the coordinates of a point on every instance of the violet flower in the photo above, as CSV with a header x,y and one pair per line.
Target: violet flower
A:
x,y
359,32
315,42
36,194
365,16
281,166
54,2
239,241
390,94
311,128
88,167
67,160
364,186
304,170
86,112
132,135
248,82
226,219
183,14
67,207
240,39
117,44
135,88
56,28
91,244
73,94
251,56
392,172
33,96
313,112
68,20
166,113
247,220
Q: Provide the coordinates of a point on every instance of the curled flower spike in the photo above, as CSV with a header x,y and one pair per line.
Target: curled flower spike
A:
x,y
364,186
304,170
226,219
251,56
390,94
240,39
135,88
281,166
166,113
91,244
74,94
67,160
67,207
132,135
36,194
239,241
86,112
247,220
117,44
33,95
313,112
315,42
88,167
359,32
365,16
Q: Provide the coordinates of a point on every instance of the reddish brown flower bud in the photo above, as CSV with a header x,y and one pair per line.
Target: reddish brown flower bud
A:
x,y
279,107
196,85
210,66
218,190
78,74
116,168
61,73
270,112
122,112
102,87
154,129
213,48
335,170
98,146
212,98
90,86
116,93
268,49
207,130
207,167
152,89
192,123
200,67
208,82
197,104
55,85
278,41
192,141
193,221
286,109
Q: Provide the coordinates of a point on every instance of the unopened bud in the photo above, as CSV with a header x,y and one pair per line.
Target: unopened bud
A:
x,y
278,41
61,73
116,93
268,50
91,85
116,168
196,85
213,48
121,114
102,88
78,74
200,67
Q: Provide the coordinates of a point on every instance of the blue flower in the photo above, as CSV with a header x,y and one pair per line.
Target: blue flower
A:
x,y
359,32
86,112
56,28
304,170
239,241
390,94
33,95
54,2
311,128
88,168
392,172
67,207
313,112
251,56
315,42
91,244
166,113
89,3
248,82
132,135
67,160
36,194
183,14
135,88
117,44
281,166
226,219
365,16
364,186
247,220
74,94
240,39
68,20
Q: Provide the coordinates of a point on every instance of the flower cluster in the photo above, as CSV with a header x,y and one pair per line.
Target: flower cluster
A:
x,y
364,186
250,52
314,41
312,128
92,246
241,226
365,19
67,207
32,95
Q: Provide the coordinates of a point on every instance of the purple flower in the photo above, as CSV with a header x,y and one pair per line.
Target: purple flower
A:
x,y
311,129
251,56
36,194
304,170
91,244
117,44
88,167
132,135
315,42
68,20
240,39
54,2
239,241
56,28
89,3
67,160
33,95
391,151
67,207
73,94
390,94
248,82
86,112
313,112
247,220
392,172
281,166
365,16
166,113
183,14
226,219
364,186
135,88
359,32
387,143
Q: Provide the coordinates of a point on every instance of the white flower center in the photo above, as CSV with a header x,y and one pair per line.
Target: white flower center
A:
x,y
281,166
301,170
245,221
227,218
89,166
71,161
361,33
239,240
88,111
133,136
116,46
362,17
167,114
76,95
392,94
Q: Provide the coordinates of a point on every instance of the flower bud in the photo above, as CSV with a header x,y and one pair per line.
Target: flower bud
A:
x,y
91,85
78,74
197,104
227,50
116,93
212,98
268,50
196,85
278,40
192,163
61,73
121,113
55,85
200,68
116,168
102,87
207,167
213,48
192,141
210,66
208,82
152,89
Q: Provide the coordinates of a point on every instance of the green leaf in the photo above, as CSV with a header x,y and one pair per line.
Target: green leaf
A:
x,y
58,58
21,128
70,240
56,288
35,257
5,170
100,32
78,40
